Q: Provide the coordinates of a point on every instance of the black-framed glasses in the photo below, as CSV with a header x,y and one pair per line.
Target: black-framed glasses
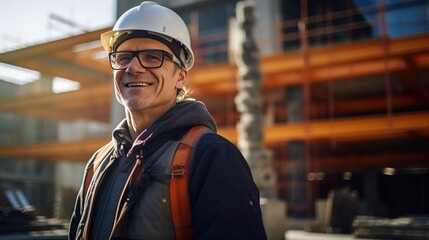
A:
x,y
149,58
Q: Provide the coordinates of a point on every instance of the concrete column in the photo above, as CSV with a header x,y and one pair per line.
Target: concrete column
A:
x,y
249,102
251,124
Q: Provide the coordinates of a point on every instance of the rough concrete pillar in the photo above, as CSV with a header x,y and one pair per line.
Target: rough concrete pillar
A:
x,y
248,102
250,127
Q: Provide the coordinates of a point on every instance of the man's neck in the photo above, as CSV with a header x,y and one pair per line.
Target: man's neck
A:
x,y
138,121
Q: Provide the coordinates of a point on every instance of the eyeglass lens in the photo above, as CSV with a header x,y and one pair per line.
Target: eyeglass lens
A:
x,y
147,58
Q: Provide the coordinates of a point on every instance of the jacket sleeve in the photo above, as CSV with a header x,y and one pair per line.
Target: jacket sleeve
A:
x,y
224,198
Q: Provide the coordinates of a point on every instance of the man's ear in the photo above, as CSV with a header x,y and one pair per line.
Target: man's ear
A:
x,y
182,78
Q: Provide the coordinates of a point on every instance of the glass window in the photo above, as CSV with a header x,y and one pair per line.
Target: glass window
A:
x,y
210,24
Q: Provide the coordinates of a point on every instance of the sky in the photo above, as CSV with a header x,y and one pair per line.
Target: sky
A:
x,y
27,22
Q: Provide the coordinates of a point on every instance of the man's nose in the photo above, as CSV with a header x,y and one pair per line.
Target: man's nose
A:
x,y
135,66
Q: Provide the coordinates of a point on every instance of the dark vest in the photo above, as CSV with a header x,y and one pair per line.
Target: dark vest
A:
x,y
145,206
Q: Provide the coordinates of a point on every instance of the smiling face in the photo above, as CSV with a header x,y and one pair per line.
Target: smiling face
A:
x,y
139,88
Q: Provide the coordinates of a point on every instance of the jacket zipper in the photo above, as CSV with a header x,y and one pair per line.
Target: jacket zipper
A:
x,y
94,191
120,212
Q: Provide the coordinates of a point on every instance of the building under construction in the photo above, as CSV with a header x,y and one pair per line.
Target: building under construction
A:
x,y
345,102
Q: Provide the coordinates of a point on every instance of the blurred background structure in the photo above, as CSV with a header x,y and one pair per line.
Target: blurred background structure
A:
x,y
345,102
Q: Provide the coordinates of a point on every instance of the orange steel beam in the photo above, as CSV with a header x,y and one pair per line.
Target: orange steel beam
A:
x,y
42,58
59,106
50,47
79,151
207,81
341,128
364,127
324,64
96,58
53,100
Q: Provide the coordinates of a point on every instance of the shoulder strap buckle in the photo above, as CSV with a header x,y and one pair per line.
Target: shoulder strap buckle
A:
x,y
177,171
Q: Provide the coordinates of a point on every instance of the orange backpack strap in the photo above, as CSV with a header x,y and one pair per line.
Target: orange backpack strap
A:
x,y
95,164
179,184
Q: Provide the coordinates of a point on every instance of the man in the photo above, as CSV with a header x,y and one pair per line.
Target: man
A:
x,y
150,53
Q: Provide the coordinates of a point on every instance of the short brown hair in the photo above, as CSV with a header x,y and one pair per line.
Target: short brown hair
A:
x,y
184,92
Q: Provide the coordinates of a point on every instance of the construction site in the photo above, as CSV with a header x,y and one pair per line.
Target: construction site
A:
x,y
345,108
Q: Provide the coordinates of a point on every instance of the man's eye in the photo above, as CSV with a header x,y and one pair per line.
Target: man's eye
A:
x,y
123,58
152,57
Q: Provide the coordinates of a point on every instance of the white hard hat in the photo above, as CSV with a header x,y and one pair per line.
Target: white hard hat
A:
x,y
152,20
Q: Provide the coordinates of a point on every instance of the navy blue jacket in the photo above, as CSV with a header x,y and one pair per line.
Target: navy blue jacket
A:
x,y
224,198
